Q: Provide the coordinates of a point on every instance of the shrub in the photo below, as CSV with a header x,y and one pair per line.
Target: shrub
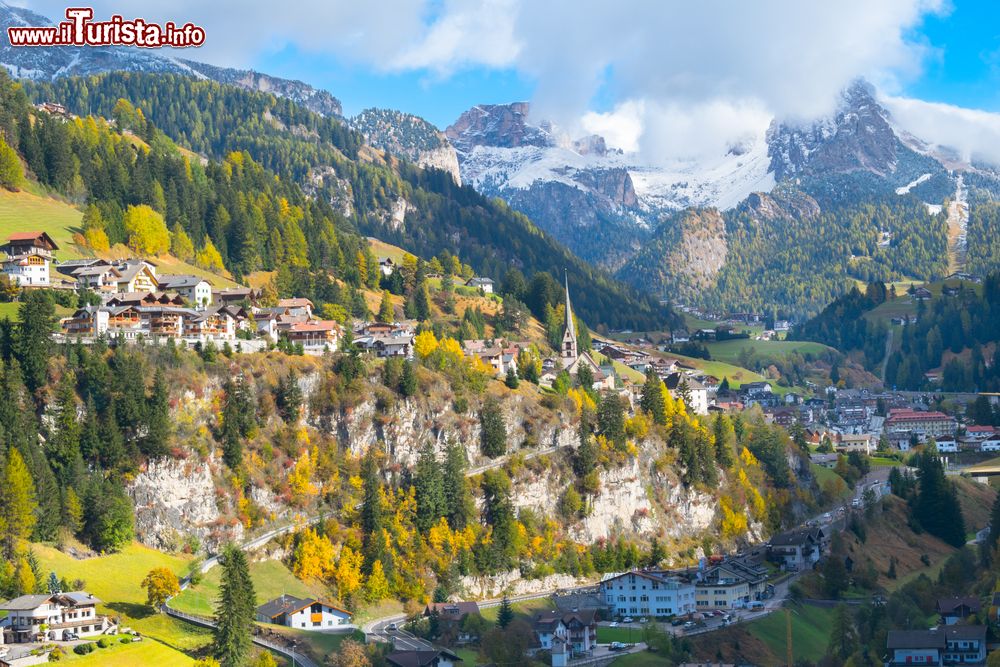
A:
x,y
125,640
84,649
104,642
56,655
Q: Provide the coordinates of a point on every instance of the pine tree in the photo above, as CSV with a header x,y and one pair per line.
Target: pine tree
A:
x,y
63,448
652,397
238,421
506,613
725,440
33,345
289,397
429,490
408,380
457,496
17,497
53,586
494,430
386,313
511,379
155,442
90,440
936,506
372,510
611,418
234,613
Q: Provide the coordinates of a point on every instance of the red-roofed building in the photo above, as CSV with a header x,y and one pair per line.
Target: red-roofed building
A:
x,y
980,432
927,424
316,336
28,256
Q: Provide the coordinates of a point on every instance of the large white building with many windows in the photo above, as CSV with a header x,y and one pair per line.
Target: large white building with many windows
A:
x,y
642,593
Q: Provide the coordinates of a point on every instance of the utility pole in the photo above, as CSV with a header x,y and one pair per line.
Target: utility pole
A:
x,y
788,636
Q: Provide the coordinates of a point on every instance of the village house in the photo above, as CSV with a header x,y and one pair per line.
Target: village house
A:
x,y
386,266
720,588
647,593
438,657
697,393
798,549
136,275
450,616
948,645
303,613
857,442
28,258
297,307
316,336
485,284
98,278
197,291
45,617
956,609
235,295
576,631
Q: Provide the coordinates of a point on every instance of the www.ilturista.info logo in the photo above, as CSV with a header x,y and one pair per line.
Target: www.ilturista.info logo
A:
x,y
79,30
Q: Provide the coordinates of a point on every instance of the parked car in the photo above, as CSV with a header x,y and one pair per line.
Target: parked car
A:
x,y
70,636
677,621
614,624
689,625
627,619
617,646
644,620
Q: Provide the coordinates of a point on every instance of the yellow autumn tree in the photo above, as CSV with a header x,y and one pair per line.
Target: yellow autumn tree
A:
x,y
377,586
734,524
313,556
348,572
425,344
147,231
209,258
300,477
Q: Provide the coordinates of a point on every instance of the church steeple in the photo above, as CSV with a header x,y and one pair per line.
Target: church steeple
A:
x,y
569,352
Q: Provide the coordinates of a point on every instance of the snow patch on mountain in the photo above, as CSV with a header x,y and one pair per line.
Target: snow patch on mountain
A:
x,y
912,184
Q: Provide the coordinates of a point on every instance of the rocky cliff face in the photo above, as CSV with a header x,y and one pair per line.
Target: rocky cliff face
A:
x,y
177,498
408,136
857,137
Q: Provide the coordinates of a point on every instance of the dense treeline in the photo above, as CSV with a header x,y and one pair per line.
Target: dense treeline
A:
x,y
64,473
841,325
319,153
953,334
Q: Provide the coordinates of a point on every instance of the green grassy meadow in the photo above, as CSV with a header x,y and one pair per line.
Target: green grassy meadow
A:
x,y
146,652
810,632
270,578
729,350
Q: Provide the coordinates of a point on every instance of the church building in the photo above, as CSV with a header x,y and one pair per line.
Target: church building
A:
x,y
570,359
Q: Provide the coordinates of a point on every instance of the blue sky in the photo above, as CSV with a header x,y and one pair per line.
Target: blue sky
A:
x,y
439,99
964,70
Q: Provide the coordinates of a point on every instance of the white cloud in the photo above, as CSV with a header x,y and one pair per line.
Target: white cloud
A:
x,y
974,134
